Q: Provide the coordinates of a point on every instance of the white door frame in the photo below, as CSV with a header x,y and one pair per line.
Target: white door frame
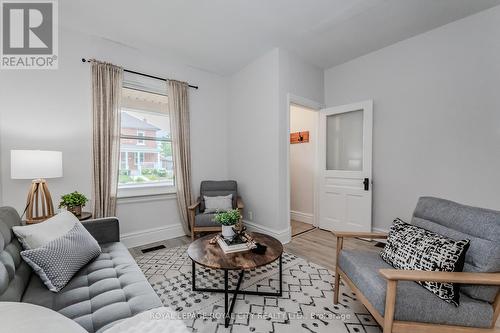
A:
x,y
308,103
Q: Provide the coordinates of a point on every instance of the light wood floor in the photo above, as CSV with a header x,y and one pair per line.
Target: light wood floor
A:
x,y
317,246
300,227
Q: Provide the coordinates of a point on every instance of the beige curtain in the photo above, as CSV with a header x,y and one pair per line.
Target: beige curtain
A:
x,y
106,92
179,115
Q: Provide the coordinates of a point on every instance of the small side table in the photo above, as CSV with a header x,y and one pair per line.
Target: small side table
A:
x,y
85,216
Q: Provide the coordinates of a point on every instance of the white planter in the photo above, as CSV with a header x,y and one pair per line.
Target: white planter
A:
x,y
228,232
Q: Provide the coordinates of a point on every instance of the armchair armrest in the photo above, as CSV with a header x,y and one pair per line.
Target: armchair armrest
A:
x,y
354,234
453,277
104,230
239,203
195,205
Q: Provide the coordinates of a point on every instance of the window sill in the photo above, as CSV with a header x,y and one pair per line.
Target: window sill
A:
x,y
133,191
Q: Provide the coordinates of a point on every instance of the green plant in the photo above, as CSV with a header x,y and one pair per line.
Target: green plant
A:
x,y
231,217
73,199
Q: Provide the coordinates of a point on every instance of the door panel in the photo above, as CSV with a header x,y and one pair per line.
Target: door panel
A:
x,y
345,156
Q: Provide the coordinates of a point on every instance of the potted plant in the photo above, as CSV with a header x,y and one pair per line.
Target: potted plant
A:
x,y
73,202
228,219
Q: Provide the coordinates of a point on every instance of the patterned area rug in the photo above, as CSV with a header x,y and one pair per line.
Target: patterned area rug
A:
x,y
306,304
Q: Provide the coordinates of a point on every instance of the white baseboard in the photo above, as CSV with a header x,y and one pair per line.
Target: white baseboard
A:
x,y
302,217
142,237
284,236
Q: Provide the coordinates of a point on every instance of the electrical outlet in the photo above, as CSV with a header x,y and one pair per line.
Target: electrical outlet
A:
x,y
250,216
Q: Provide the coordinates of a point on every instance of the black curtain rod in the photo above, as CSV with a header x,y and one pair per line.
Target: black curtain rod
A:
x,y
146,75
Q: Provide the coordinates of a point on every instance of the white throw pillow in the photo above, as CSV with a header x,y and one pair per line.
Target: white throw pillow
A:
x,y
218,204
35,235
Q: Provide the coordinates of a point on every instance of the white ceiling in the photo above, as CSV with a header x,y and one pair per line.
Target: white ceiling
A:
x,y
224,35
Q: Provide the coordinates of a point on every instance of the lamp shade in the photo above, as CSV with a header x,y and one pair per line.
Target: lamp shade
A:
x,y
34,164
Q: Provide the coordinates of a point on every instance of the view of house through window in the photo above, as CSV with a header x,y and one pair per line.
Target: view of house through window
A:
x,y
145,140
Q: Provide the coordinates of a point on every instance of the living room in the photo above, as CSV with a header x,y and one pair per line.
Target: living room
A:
x,y
151,110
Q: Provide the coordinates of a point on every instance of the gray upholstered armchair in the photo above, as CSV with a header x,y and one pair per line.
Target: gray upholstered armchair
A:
x,y
203,222
400,305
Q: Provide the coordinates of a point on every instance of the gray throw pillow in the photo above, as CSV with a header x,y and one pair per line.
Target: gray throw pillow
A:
x,y
57,261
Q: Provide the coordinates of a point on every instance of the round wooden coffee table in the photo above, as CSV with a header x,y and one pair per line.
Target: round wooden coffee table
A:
x,y
211,255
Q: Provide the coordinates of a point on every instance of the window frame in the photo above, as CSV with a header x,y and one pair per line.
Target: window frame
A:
x,y
144,189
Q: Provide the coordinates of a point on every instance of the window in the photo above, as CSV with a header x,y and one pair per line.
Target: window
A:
x,y
146,163
140,141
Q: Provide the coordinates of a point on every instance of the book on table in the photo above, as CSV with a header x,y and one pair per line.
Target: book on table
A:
x,y
237,244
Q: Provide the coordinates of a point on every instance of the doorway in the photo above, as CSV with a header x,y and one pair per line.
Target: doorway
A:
x,y
302,165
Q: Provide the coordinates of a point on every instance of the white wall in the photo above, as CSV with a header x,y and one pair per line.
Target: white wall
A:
x,y
303,164
253,144
258,131
52,110
436,115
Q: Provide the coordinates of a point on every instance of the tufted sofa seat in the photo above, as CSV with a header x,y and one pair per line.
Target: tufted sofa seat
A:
x,y
107,290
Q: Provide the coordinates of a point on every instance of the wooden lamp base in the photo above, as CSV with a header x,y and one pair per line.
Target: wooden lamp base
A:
x,y
39,203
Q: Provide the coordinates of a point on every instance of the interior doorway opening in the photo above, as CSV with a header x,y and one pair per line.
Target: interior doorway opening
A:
x,y
303,156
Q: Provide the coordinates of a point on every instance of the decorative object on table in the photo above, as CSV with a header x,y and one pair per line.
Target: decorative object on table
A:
x,y
217,259
228,220
238,243
413,248
199,219
73,202
299,137
259,248
37,165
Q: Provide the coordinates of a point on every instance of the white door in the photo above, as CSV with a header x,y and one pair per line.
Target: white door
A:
x,y
345,167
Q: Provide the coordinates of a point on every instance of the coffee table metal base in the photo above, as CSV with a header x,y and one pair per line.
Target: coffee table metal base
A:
x,y
228,309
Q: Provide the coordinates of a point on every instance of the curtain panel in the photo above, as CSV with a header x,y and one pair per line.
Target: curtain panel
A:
x,y
106,93
179,114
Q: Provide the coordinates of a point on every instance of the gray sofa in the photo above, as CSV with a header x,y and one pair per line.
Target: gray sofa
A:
x,y
361,269
107,290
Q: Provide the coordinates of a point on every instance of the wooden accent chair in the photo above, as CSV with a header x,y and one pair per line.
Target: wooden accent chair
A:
x,y
399,304
202,222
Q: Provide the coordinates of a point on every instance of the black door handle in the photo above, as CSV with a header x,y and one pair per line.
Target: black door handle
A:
x,y
366,183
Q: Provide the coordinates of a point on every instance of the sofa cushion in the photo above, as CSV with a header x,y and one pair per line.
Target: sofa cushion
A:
x,y
413,303
107,290
14,272
457,221
205,220
414,248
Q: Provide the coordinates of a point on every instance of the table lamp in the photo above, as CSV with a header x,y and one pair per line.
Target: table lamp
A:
x,y
36,165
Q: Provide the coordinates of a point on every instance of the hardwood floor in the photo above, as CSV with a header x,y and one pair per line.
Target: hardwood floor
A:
x,y
317,246
300,227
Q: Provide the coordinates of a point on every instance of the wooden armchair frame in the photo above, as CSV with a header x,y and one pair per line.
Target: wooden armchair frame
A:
x,y
392,276
192,214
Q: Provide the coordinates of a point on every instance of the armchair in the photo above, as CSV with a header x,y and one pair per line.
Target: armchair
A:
x,y
203,222
398,304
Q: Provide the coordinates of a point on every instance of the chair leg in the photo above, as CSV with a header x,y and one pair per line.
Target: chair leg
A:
x,y
192,235
390,303
337,287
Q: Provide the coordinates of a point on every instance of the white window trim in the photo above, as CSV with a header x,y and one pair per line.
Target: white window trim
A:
x,y
141,190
